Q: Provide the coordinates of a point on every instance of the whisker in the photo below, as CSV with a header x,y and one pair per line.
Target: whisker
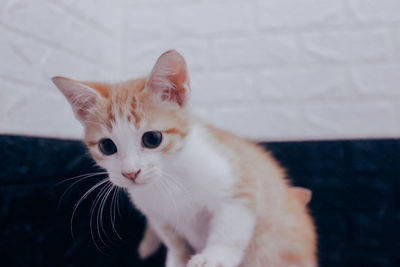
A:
x,y
101,209
112,211
118,197
91,218
98,197
81,175
82,178
179,186
96,203
83,198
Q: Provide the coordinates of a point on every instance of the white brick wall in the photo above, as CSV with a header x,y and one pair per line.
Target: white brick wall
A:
x,y
266,69
43,38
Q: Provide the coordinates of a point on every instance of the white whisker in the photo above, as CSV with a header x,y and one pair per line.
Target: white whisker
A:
x,y
112,211
118,197
83,198
82,178
96,203
101,209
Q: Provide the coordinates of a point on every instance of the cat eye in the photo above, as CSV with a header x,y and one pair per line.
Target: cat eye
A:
x,y
107,146
151,139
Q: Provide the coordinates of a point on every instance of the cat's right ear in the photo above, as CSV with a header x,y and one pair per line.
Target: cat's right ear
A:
x,y
82,98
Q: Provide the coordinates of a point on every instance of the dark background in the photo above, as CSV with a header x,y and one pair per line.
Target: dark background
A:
x,y
355,203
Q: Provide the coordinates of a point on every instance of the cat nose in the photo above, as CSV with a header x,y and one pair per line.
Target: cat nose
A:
x,y
131,175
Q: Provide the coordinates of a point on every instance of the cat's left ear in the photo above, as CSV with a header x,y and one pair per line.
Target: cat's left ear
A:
x,y
169,81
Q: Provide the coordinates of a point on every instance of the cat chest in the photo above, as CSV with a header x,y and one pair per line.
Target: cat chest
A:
x,y
191,221
196,229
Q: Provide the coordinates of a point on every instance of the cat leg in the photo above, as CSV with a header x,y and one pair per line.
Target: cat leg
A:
x,y
150,242
178,251
231,231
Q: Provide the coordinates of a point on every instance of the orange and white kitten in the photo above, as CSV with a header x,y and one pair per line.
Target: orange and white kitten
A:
x,y
214,199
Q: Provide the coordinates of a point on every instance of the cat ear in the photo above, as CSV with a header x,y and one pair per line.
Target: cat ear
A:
x,y
82,98
169,80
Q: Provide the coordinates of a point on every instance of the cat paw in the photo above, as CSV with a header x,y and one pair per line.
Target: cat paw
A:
x,y
210,260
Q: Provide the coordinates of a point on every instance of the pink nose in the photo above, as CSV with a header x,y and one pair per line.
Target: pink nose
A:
x,y
131,175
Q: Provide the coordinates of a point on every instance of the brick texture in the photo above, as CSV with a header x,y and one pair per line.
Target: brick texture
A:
x,y
325,69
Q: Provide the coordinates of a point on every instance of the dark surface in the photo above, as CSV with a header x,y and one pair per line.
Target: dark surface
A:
x,y
356,204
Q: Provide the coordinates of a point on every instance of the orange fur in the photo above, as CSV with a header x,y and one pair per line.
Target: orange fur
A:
x,y
284,233
282,216
131,94
283,221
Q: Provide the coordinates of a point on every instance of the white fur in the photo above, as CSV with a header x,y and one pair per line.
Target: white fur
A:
x,y
189,192
187,195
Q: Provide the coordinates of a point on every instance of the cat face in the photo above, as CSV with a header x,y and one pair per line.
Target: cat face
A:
x,y
135,128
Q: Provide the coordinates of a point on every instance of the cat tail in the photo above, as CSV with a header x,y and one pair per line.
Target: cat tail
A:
x,y
150,242
303,194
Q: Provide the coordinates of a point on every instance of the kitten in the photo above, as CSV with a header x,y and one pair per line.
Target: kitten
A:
x,y
212,198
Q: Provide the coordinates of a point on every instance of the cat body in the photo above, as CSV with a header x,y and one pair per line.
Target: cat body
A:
x,y
212,198
200,180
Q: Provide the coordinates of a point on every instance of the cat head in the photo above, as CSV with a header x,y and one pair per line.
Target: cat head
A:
x,y
133,128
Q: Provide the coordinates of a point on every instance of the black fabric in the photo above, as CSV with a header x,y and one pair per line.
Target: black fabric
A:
x,y
355,203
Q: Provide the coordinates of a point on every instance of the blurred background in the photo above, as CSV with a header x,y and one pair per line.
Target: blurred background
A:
x,y
316,82
266,69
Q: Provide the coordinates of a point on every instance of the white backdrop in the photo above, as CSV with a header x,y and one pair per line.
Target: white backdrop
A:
x,y
265,69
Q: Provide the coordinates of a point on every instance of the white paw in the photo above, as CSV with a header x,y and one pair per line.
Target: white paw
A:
x,y
211,260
